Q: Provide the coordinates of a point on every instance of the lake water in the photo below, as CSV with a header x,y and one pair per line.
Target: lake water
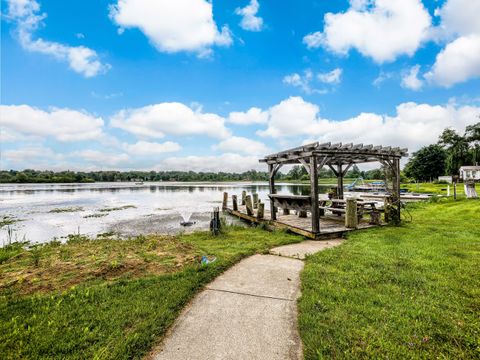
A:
x,y
48,211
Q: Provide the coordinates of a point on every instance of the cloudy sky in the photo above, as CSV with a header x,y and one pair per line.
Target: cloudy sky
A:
x,y
200,85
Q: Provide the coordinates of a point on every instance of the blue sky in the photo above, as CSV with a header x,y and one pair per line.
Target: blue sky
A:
x,y
193,84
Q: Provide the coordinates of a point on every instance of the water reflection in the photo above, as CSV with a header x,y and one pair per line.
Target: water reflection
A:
x,y
46,210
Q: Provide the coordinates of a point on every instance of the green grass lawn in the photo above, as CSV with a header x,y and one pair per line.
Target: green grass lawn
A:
x,y
438,189
125,293
409,292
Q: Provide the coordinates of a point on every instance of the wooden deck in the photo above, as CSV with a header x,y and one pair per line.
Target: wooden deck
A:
x,y
331,226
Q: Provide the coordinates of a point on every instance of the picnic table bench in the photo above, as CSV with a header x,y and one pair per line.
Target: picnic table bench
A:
x,y
291,202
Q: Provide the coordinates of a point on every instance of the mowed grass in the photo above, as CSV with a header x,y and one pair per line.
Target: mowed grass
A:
x,y
409,292
438,189
126,293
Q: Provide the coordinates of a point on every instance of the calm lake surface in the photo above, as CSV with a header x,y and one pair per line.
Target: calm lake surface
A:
x,y
47,211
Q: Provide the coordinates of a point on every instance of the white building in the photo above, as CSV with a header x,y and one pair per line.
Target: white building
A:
x,y
470,172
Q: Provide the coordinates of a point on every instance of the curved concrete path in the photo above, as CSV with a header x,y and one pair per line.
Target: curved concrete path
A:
x,y
249,312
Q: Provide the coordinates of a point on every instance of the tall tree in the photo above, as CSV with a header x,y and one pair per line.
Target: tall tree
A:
x,y
472,133
457,148
427,164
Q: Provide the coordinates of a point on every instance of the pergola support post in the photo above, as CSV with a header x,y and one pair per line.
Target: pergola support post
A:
x,y
339,181
396,186
272,171
314,195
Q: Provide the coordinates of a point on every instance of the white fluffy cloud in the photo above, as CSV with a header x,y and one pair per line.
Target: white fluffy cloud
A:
x,y
293,116
154,121
413,125
237,144
300,81
145,148
459,17
61,124
410,79
173,26
253,116
380,29
332,77
459,61
226,162
29,156
104,159
26,14
250,21
305,81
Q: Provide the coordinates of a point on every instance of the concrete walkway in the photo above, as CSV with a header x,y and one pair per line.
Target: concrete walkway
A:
x,y
307,247
249,312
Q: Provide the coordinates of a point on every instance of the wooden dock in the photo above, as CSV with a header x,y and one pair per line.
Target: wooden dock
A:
x,y
331,226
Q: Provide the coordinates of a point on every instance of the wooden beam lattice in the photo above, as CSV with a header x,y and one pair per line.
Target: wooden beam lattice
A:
x,y
336,153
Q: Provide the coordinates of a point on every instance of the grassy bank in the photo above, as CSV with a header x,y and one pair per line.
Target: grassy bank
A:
x,y
109,299
398,293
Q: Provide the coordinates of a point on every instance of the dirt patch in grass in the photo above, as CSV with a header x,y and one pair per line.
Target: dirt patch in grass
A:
x,y
56,266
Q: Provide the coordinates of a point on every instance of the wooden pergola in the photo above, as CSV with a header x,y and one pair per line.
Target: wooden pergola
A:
x,y
339,158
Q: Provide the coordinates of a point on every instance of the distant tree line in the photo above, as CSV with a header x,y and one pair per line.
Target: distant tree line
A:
x,y
297,173
451,152
35,176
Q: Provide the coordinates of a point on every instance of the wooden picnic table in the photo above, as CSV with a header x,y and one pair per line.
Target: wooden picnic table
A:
x,y
337,207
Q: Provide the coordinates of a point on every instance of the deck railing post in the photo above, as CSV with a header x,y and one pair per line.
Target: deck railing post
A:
x,y
248,203
260,210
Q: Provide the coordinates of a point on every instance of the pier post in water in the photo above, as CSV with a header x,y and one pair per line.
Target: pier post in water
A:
x,y
215,221
286,211
248,203
244,195
260,210
225,200
255,200
234,203
302,214
351,219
